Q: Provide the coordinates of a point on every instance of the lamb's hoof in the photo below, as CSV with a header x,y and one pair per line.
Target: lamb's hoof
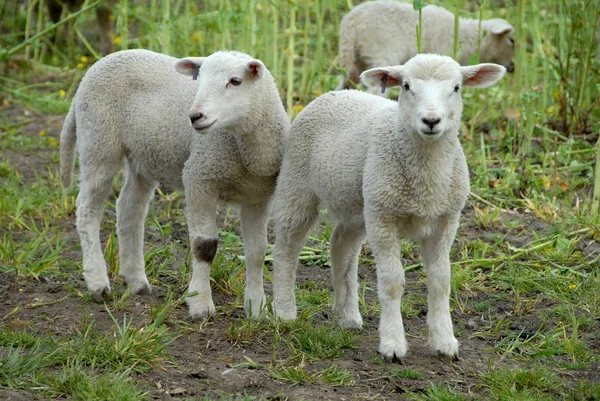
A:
x,y
199,311
198,317
394,359
98,295
349,323
254,308
394,350
445,357
138,284
142,290
446,348
285,310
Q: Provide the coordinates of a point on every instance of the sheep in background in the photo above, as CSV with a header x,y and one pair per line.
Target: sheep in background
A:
x,y
383,33
132,108
386,170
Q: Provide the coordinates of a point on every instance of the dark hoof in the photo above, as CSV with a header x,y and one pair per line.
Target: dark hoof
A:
x,y
145,290
201,317
444,357
98,295
394,359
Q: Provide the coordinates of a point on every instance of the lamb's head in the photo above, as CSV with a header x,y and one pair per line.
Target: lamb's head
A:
x,y
498,45
430,103
227,88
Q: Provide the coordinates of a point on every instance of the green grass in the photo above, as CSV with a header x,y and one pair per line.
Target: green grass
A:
x,y
525,265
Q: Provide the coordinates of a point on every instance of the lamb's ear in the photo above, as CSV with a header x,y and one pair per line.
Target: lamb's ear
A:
x,y
382,77
502,28
255,68
189,66
482,75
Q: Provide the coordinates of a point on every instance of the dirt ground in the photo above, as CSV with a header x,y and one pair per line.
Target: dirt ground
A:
x,y
203,361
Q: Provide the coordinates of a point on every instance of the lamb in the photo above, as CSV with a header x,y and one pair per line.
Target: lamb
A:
x,y
133,109
383,33
386,170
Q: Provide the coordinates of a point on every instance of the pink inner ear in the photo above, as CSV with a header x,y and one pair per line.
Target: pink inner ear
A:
x,y
254,68
480,77
389,79
188,65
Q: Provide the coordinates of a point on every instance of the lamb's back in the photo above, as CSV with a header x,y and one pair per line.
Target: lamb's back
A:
x,y
136,98
386,35
331,138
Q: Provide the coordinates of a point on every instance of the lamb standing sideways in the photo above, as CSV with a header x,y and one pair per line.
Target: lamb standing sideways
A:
x,y
383,33
388,170
132,108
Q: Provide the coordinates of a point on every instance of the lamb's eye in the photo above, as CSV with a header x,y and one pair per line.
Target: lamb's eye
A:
x,y
235,81
406,86
457,88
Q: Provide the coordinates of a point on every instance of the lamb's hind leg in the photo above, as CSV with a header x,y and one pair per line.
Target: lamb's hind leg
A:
x,y
436,259
254,231
295,212
94,189
346,243
132,207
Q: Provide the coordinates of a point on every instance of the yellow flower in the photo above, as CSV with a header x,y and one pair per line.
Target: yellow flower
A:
x,y
197,37
83,59
20,290
297,108
43,133
52,141
62,93
116,40
80,66
550,110
572,286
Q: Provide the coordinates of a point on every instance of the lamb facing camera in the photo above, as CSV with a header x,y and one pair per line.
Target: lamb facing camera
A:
x,y
385,170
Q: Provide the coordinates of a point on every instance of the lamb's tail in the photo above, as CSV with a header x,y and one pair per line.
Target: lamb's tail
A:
x,y
347,58
68,139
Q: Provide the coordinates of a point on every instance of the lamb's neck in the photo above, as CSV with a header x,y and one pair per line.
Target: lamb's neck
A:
x,y
260,141
468,36
429,161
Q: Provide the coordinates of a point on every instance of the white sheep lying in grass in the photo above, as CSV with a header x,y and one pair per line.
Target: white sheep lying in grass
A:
x,y
387,170
132,108
383,33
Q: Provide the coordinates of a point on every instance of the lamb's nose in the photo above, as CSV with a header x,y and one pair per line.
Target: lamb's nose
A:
x,y
196,117
431,122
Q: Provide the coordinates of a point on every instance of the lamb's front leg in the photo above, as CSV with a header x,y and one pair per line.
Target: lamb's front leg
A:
x,y
436,259
201,213
383,239
254,231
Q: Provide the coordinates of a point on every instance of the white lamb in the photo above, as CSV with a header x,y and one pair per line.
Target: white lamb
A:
x,y
388,170
383,33
133,109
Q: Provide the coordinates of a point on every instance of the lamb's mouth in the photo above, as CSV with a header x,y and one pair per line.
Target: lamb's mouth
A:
x,y
204,127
